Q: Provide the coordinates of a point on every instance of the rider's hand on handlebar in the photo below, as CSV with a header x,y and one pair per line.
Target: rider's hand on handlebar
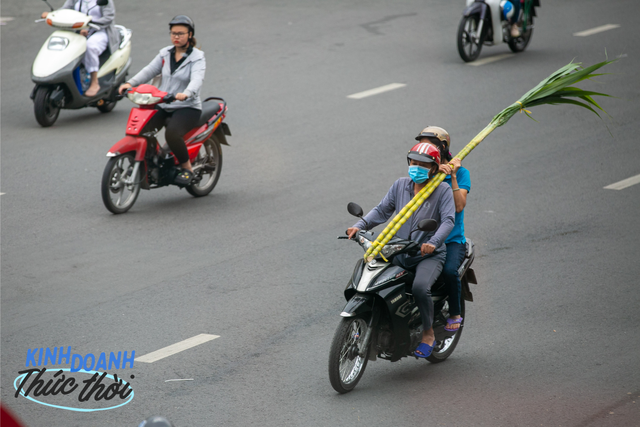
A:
x,y
44,15
181,96
84,32
352,232
123,87
427,248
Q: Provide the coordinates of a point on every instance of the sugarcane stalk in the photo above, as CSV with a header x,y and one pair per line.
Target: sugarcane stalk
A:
x,y
553,90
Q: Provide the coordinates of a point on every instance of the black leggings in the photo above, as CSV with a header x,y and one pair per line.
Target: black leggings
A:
x,y
182,121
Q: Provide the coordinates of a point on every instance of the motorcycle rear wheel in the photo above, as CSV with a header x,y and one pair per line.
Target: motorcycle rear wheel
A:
x,y
468,47
210,159
444,348
519,44
117,196
345,366
46,113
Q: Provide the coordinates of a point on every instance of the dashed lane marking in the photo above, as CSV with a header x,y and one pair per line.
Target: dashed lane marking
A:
x,y
376,91
621,185
491,59
154,356
596,30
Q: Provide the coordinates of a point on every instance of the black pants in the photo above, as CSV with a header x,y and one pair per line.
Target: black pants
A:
x,y
182,121
455,256
427,270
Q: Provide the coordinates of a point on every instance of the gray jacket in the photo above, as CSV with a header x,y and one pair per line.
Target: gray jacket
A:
x,y
187,78
107,21
439,206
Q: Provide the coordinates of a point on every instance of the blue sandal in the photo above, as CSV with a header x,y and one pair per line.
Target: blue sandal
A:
x,y
424,350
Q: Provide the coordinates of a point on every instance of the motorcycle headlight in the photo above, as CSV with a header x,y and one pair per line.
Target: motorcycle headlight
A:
x,y
389,250
58,43
143,98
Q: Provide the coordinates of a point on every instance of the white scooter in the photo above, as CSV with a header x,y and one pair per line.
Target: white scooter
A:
x,y
59,75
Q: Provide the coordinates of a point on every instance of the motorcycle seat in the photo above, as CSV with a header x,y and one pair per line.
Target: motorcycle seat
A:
x,y
209,109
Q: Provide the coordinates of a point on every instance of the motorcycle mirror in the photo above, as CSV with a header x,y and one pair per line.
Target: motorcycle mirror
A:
x,y
52,9
102,2
428,225
354,209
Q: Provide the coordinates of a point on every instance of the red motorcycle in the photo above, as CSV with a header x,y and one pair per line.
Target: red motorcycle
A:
x,y
139,161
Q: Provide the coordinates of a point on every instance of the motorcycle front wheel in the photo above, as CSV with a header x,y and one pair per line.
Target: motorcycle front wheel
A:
x,y
208,164
469,41
45,111
345,365
445,347
119,188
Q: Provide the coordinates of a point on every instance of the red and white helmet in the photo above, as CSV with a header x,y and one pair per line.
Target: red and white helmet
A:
x,y
424,152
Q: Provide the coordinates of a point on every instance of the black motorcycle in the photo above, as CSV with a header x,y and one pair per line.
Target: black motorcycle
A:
x,y
381,318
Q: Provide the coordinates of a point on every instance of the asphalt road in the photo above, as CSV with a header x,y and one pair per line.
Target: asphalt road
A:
x,y
551,338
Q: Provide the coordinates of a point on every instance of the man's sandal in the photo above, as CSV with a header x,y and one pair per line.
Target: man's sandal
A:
x,y
424,350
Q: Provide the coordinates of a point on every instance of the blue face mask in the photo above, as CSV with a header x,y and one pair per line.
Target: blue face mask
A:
x,y
418,174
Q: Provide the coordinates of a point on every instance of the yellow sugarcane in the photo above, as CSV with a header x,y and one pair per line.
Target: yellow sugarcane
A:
x,y
555,89
405,211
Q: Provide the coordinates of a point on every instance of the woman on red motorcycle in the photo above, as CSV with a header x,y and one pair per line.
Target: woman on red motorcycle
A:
x,y
182,67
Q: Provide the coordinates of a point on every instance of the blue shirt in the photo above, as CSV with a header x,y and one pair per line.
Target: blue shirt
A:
x,y
464,182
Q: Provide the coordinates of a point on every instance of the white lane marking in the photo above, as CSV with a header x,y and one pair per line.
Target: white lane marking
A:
x,y
154,356
179,379
490,59
376,91
2,194
596,30
621,185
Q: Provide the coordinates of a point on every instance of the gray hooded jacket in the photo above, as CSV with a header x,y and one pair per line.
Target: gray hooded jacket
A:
x,y
187,78
107,21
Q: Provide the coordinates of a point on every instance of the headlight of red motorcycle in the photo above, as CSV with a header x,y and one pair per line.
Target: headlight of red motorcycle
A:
x,y
143,98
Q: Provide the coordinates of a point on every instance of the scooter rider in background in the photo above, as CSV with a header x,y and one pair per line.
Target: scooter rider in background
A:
x,y
424,161
97,40
460,182
182,67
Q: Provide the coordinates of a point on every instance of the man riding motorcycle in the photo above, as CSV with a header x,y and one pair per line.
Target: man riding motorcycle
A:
x,y
424,161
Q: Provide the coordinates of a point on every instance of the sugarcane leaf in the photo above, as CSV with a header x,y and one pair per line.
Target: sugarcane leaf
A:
x,y
574,91
567,80
574,102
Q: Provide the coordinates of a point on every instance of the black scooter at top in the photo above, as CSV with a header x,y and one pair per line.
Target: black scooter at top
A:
x,y
381,318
